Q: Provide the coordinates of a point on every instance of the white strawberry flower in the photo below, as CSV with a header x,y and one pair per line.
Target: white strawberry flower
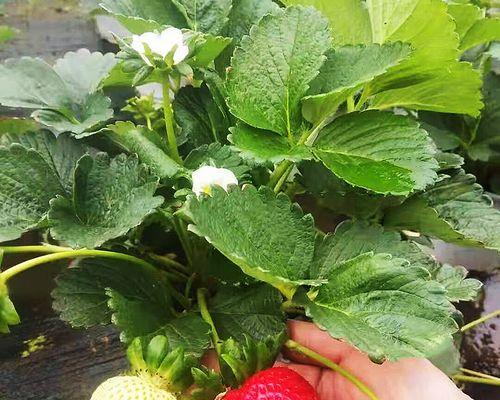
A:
x,y
161,44
204,178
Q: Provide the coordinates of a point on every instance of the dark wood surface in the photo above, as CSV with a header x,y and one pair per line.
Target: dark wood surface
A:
x,y
70,365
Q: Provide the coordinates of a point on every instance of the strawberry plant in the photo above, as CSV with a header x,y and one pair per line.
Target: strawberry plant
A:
x,y
181,215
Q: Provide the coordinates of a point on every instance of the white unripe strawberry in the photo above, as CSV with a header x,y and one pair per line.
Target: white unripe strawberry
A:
x,y
157,373
130,388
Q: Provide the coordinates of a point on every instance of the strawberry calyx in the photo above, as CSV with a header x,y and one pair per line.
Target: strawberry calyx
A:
x,y
155,362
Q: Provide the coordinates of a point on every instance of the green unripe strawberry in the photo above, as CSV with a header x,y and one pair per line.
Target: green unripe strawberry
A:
x,y
130,388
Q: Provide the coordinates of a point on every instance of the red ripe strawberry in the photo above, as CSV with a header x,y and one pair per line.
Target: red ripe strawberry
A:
x,y
274,384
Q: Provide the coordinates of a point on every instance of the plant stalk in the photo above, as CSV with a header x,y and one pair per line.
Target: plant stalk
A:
x,y
182,233
205,314
168,113
283,179
475,379
169,262
294,346
44,249
289,307
24,266
350,104
278,173
479,374
480,320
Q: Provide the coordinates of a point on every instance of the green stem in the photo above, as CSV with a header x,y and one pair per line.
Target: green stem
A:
x,y
169,122
283,179
44,248
205,314
182,233
479,374
361,100
480,320
24,266
169,262
350,104
294,346
148,123
289,307
311,136
189,285
475,379
278,173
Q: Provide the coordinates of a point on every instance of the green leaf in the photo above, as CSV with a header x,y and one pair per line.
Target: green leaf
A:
x,y
345,72
199,117
349,19
83,71
486,144
207,16
80,295
449,161
98,292
264,146
31,83
428,88
65,97
253,311
17,126
110,197
444,139
207,48
138,317
458,287
27,184
454,210
340,197
431,78
464,16
472,26
378,151
8,313
245,14
95,110
60,154
352,239
265,235
140,16
384,306
219,156
483,31
134,317
188,331
148,145
272,69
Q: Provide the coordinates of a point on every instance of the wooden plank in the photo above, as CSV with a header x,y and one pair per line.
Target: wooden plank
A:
x,y
70,365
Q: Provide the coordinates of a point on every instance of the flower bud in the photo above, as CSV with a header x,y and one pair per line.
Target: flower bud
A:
x,y
207,176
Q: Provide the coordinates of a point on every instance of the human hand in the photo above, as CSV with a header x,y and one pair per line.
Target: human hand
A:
x,y
408,379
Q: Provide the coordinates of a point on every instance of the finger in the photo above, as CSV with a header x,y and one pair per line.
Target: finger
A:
x,y
308,372
309,335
